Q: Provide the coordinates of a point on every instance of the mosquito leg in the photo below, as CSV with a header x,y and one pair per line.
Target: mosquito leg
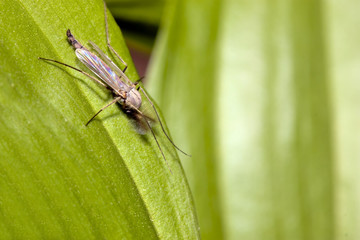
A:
x,y
139,80
108,40
108,105
157,142
136,83
162,127
152,132
85,73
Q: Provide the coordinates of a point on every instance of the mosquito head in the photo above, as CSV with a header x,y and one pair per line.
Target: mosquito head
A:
x,y
134,98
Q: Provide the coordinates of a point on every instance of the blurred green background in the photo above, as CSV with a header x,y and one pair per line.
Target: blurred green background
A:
x,y
263,94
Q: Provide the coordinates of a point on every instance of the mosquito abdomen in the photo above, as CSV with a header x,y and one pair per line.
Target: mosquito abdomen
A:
x,y
72,40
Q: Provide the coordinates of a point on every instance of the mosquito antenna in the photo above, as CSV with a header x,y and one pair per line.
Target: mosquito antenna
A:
x,y
162,127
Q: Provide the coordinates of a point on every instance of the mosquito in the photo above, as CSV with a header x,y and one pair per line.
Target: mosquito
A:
x,y
110,76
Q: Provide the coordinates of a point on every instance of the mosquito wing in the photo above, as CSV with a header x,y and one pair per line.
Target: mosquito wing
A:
x,y
99,67
109,62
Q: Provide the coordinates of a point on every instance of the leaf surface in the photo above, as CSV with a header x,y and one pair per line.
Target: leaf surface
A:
x,y
58,178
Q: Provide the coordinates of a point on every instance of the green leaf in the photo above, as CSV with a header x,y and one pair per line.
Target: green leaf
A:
x,y
343,69
58,178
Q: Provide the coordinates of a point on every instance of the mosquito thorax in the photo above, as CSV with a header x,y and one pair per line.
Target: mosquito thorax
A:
x,y
134,98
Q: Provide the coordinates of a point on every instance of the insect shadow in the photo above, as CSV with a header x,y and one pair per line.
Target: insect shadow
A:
x,y
126,93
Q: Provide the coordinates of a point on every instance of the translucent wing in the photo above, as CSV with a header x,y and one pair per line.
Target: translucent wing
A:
x,y
99,67
110,63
